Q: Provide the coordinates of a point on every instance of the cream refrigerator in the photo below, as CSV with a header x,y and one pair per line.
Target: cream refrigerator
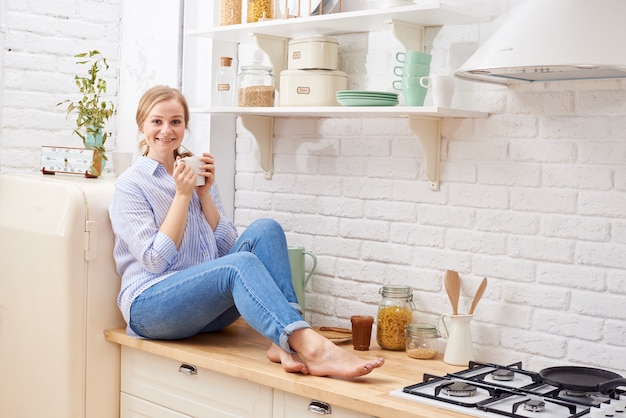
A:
x,y
58,288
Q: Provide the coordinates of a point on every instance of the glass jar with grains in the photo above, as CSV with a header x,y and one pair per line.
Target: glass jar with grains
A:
x,y
255,84
259,10
230,12
394,313
421,341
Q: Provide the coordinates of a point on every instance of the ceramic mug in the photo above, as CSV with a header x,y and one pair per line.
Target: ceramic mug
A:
x,y
299,275
411,69
441,89
195,163
417,57
414,94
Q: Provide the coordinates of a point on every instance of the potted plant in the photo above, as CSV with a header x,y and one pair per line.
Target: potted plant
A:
x,y
92,110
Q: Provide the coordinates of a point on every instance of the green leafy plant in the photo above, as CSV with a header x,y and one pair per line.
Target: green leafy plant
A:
x,y
92,110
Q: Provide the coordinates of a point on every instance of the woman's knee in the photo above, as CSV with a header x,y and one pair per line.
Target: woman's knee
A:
x,y
266,224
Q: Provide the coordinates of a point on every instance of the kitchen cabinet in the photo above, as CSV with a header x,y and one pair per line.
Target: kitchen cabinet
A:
x,y
288,405
233,372
133,407
160,387
163,388
407,24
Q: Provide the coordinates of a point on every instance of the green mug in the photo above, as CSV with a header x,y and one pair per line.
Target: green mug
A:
x,y
299,275
417,57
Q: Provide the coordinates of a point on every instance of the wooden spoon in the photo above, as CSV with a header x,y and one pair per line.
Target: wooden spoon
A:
x,y
478,295
452,283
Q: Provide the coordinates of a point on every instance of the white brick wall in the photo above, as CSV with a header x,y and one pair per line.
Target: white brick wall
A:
x,y
533,197
41,39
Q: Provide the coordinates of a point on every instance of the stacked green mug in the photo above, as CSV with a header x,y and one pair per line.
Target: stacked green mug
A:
x,y
415,65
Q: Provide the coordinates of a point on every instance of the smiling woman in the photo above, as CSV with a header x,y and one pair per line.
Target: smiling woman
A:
x,y
184,268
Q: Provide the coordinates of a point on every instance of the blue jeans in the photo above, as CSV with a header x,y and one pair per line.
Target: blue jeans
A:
x,y
253,281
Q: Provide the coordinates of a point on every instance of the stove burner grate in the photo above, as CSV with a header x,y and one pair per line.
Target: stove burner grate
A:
x,y
534,405
457,389
503,375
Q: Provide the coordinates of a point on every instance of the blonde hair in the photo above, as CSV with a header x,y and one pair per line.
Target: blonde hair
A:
x,y
149,99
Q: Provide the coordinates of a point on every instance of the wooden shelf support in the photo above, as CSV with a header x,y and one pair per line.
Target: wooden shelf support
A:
x,y
428,132
275,48
262,129
410,35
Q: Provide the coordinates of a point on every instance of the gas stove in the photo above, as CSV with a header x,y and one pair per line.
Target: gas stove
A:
x,y
491,390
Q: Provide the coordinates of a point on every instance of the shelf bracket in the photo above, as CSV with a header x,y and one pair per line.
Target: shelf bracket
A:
x,y
410,35
275,48
428,132
262,129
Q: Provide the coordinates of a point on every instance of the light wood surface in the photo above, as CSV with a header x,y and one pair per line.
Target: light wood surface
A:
x,y
239,351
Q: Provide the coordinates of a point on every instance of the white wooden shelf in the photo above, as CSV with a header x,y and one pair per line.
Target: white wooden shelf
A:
x,y
406,23
424,121
429,13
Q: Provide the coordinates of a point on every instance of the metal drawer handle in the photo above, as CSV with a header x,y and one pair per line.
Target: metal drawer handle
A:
x,y
189,369
319,407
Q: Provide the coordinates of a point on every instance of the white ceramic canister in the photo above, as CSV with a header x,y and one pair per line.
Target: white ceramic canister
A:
x,y
311,87
313,53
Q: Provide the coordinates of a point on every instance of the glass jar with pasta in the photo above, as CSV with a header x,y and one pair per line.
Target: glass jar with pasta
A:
x,y
259,10
394,313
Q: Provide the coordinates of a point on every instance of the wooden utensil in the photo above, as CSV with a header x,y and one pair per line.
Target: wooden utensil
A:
x,y
336,329
478,295
452,283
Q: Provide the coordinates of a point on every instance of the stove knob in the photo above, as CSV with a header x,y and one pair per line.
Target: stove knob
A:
x,y
609,410
596,412
620,404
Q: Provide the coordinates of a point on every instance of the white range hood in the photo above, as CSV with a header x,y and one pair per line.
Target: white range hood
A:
x,y
549,40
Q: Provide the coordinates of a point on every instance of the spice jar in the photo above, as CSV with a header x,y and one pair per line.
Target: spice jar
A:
x,y
259,10
394,313
224,83
255,84
421,341
230,12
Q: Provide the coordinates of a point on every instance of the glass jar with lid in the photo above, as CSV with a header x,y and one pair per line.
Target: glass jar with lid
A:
x,y
255,84
230,12
395,312
224,83
260,10
421,341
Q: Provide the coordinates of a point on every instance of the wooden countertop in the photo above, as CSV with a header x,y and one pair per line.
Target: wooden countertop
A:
x,y
239,351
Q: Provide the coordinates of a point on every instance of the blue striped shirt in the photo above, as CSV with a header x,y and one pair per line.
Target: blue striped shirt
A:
x,y
144,255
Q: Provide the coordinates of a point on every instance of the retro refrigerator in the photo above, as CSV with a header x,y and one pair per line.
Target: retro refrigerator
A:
x,y
58,289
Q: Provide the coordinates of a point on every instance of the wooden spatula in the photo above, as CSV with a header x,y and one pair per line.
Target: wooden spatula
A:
x,y
478,295
452,282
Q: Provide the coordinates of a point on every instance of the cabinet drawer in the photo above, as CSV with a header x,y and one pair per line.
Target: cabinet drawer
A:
x,y
203,394
288,405
132,407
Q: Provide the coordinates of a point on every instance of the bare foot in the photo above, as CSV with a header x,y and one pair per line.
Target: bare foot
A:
x,y
323,358
291,362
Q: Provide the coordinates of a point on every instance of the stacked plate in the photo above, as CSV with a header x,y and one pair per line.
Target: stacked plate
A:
x,y
366,98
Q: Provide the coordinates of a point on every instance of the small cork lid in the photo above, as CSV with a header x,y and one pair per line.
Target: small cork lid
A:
x,y
226,61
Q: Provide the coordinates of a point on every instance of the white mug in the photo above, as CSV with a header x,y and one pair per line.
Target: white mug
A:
x,y
195,163
441,88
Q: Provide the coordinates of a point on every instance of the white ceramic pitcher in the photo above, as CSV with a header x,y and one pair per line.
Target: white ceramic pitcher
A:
x,y
459,350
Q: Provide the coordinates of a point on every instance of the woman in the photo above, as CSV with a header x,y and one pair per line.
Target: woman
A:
x,y
183,269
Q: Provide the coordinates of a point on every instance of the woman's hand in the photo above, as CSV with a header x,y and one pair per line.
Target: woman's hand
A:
x,y
208,172
184,177
206,200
